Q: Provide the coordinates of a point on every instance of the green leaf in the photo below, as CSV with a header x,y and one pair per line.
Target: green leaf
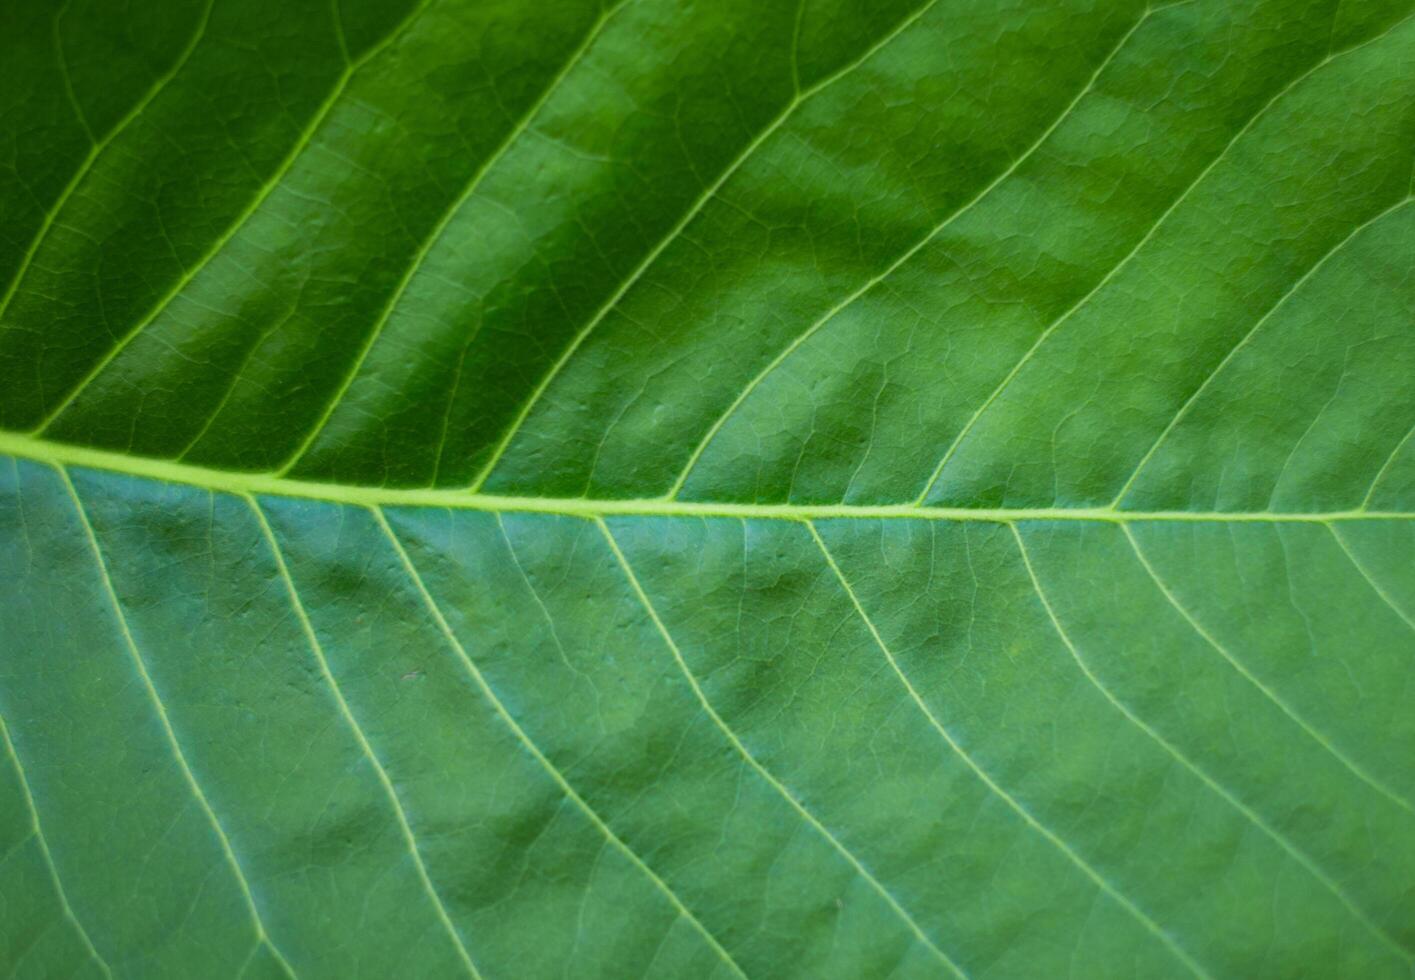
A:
x,y
838,488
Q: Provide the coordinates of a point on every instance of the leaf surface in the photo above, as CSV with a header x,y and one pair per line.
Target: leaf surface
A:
x,y
920,488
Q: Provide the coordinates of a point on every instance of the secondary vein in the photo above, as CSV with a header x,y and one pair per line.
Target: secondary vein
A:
x,y
140,664
1252,816
38,834
387,783
484,686
637,588
1084,866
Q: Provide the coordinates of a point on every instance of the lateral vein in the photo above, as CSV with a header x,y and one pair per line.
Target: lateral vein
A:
x,y
894,265
96,149
760,769
274,181
1251,815
318,649
1125,260
1081,864
1253,679
38,832
1370,580
434,236
679,226
525,739
140,663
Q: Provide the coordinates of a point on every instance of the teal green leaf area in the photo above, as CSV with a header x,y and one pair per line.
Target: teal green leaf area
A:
x,y
884,489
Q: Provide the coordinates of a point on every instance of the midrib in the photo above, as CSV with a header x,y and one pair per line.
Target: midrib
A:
x,y
227,481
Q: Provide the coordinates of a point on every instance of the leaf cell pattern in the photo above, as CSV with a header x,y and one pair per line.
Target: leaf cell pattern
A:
x,y
648,488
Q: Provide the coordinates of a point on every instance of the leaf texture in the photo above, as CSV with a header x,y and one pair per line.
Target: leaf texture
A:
x,y
907,488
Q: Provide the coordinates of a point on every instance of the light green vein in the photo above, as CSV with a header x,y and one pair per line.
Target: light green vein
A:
x,y
1248,675
1375,586
1179,416
318,649
893,266
338,20
435,235
65,76
96,149
166,722
1251,815
707,194
1385,467
761,770
550,768
1125,260
48,855
305,138
268,484
997,790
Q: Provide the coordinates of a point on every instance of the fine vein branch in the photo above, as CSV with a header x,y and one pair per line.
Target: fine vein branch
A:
x,y
269,484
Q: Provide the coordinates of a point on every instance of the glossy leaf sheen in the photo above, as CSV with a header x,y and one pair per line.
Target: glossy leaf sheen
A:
x,y
848,488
